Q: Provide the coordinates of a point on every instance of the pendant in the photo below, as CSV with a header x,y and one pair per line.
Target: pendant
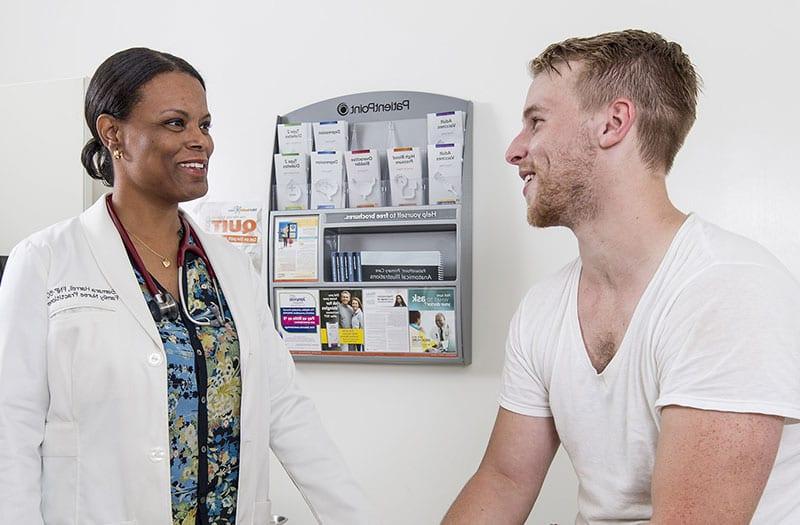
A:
x,y
165,262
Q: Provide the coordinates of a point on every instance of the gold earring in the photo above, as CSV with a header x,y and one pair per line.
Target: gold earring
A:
x,y
117,154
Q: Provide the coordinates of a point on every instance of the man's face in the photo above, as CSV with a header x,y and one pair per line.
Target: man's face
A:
x,y
555,153
439,319
344,297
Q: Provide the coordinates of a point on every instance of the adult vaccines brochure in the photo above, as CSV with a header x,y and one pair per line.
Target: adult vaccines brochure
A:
x,y
444,173
446,127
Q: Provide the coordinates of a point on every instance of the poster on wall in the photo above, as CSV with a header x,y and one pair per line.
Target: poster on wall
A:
x,y
239,222
296,246
298,319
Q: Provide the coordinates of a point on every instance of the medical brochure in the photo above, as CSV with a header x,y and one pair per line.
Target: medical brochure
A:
x,y
405,176
327,179
444,173
291,181
377,321
295,138
295,248
298,319
331,135
363,178
446,127
238,222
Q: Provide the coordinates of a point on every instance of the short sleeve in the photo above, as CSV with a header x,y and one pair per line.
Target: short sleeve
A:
x,y
731,342
523,391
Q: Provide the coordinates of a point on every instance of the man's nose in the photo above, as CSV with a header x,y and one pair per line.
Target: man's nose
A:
x,y
517,150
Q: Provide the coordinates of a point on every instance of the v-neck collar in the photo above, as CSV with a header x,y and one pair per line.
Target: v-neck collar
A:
x,y
643,299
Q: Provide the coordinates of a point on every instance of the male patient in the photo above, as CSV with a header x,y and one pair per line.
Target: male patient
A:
x,y
666,358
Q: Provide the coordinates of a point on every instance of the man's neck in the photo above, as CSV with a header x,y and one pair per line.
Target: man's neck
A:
x,y
623,246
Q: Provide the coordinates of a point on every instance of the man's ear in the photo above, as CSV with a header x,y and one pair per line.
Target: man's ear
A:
x,y
619,117
108,131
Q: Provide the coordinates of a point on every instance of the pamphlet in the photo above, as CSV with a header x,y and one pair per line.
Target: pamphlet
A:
x,y
291,181
295,138
238,222
296,246
330,135
342,320
327,180
444,173
432,320
405,176
363,178
446,127
298,319
386,320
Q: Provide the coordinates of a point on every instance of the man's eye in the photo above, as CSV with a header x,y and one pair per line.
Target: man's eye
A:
x,y
535,122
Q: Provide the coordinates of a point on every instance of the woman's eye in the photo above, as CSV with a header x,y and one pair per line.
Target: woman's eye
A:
x,y
205,126
175,123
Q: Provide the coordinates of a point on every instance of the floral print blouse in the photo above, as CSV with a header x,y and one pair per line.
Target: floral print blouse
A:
x,y
204,389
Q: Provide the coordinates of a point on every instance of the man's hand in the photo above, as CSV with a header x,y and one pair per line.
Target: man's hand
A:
x,y
711,467
509,478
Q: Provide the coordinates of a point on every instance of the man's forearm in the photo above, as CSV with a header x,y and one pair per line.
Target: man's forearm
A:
x,y
491,497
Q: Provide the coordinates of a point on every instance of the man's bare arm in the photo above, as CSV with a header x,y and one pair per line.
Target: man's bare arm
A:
x,y
711,467
509,478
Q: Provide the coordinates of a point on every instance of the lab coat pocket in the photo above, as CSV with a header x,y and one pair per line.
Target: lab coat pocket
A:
x,y
262,513
60,472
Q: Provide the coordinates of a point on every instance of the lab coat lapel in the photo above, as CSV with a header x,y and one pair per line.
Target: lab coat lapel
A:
x,y
233,287
111,257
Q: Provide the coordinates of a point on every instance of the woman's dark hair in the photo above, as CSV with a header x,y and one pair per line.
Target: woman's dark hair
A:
x,y
114,90
414,316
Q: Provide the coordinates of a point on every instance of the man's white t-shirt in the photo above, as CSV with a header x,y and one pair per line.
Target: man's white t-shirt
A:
x,y
717,328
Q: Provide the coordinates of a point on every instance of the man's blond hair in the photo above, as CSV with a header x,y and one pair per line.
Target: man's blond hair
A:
x,y
656,75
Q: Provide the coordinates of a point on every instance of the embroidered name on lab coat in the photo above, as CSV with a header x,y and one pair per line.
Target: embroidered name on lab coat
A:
x,y
85,294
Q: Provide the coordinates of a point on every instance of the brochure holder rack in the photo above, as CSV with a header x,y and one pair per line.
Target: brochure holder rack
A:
x,y
304,246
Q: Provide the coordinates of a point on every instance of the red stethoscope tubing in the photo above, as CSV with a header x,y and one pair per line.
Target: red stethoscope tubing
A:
x,y
183,248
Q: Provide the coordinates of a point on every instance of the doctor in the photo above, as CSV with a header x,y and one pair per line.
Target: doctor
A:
x,y
141,378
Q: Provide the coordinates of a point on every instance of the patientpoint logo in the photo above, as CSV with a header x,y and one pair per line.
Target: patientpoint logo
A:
x,y
373,107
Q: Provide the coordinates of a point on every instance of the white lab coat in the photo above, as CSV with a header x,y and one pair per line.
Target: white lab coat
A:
x,y
83,391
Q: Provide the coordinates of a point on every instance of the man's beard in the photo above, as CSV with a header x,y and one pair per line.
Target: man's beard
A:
x,y
567,196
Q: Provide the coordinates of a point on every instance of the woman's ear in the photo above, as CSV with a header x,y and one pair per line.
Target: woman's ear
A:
x,y
619,116
108,131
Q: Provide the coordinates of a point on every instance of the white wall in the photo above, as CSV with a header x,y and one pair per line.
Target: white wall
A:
x,y
414,434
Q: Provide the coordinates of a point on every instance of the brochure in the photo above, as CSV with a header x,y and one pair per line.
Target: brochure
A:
x,y
386,320
298,319
238,222
296,246
342,320
432,320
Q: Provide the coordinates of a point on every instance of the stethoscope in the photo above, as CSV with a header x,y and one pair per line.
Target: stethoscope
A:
x,y
163,304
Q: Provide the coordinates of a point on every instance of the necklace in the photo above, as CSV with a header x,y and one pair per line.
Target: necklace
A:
x,y
164,261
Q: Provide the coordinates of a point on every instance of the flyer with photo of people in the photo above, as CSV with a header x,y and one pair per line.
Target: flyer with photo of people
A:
x,y
432,319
